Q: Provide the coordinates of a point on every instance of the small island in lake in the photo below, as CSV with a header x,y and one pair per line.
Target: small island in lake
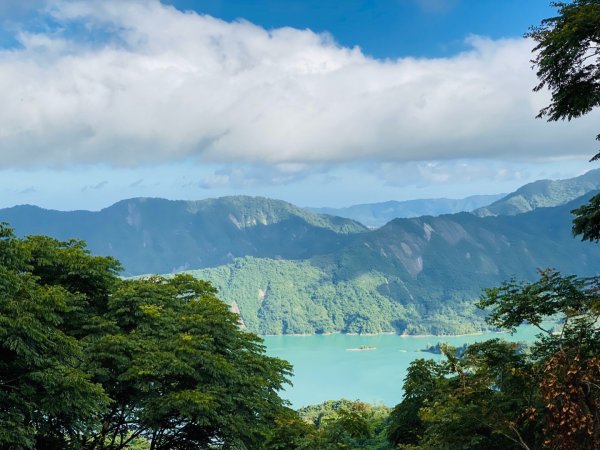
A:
x,y
361,348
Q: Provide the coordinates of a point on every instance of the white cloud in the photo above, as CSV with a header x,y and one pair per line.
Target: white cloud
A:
x,y
252,175
168,85
458,172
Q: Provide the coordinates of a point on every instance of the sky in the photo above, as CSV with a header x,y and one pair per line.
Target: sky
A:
x,y
320,103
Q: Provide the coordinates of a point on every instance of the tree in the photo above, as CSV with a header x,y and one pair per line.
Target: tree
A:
x,y
405,425
568,63
332,425
569,359
91,361
568,59
474,400
180,371
45,395
587,220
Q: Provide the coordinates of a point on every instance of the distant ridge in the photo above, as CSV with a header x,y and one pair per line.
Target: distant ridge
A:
x,y
378,214
152,235
542,194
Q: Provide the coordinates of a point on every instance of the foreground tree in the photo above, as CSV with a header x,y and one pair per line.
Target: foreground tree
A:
x,y
180,371
568,59
406,426
333,425
90,361
569,359
568,63
501,395
475,400
45,394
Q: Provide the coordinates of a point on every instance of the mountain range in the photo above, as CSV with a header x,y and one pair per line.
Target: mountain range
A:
x,y
542,194
414,276
291,270
375,215
151,235
539,194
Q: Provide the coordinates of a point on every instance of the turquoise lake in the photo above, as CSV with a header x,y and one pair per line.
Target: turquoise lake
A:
x,y
324,368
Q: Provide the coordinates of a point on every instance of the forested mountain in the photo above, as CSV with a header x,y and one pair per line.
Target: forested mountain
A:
x,y
378,214
419,275
289,270
151,235
542,194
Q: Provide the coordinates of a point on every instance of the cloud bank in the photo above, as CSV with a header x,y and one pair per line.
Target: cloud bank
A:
x,y
137,83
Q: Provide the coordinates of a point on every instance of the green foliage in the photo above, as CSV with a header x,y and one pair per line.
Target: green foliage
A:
x,y
92,361
569,359
176,351
413,276
568,59
514,303
501,395
568,62
587,220
298,297
39,360
339,424
468,402
405,425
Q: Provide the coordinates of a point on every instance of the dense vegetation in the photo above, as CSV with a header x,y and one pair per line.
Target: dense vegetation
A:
x,y
90,361
498,395
305,297
415,276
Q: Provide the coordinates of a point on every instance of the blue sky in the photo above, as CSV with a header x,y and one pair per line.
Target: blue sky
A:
x,y
321,103
387,28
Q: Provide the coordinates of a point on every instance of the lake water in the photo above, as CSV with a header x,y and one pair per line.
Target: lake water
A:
x,y
324,368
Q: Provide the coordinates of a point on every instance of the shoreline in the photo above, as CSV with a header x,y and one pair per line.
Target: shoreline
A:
x,y
387,333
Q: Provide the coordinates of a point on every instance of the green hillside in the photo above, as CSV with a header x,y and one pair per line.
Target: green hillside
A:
x,y
411,276
289,270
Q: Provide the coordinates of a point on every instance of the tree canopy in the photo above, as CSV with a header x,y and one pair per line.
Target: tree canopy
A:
x,y
504,395
568,59
88,360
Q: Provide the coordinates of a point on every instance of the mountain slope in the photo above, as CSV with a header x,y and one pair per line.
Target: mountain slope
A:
x,y
288,270
418,275
542,194
161,236
378,214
